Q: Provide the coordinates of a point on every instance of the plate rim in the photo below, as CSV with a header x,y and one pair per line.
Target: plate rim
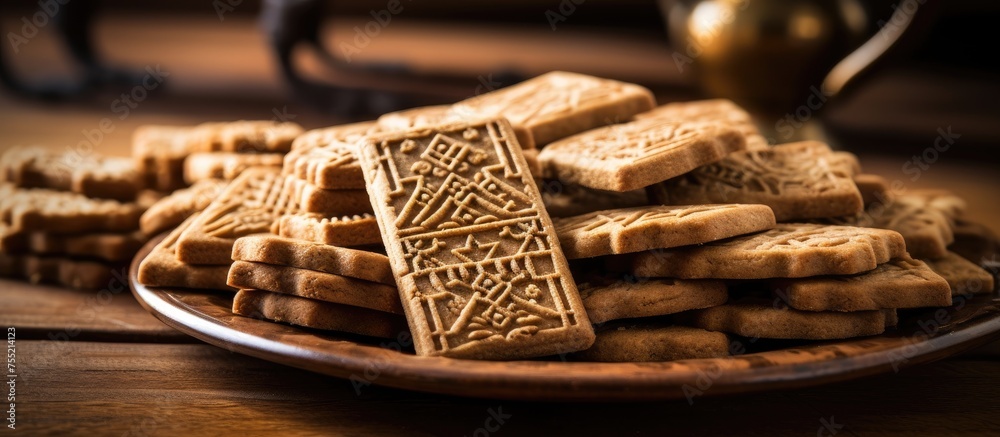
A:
x,y
586,381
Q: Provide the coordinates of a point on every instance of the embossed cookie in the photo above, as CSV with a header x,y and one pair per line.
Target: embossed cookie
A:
x,y
900,283
172,210
963,276
790,250
356,230
352,263
315,314
67,272
162,269
316,285
345,133
629,298
629,156
330,203
657,227
759,319
90,175
641,343
797,180
226,165
58,211
257,136
159,153
558,104
477,262
721,111
248,205
926,228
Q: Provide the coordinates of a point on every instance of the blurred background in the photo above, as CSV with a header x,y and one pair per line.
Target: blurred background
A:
x,y
927,71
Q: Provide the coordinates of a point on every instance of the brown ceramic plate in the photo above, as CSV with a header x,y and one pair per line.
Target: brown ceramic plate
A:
x,y
922,337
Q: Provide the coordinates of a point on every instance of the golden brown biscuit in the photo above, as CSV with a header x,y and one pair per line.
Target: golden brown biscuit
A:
x,y
759,319
475,255
628,299
640,343
172,210
315,314
226,165
963,276
348,231
352,263
161,268
159,153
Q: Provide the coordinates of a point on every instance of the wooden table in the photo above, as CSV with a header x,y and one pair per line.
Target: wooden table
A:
x,y
89,365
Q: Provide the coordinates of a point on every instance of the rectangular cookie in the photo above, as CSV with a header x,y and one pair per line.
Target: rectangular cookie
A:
x,y
556,105
790,250
226,165
352,263
633,343
565,200
248,205
642,228
720,111
330,203
760,319
161,268
90,175
315,314
330,165
349,231
316,285
159,153
346,133
629,156
900,283
33,209
477,262
628,298
420,117
798,181
172,210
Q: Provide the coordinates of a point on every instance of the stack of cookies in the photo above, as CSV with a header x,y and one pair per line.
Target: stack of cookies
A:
x,y
569,214
70,218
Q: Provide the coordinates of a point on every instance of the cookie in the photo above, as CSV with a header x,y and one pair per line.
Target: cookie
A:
x,y
315,314
226,165
759,319
248,205
974,241
641,343
325,157
355,230
330,203
87,174
944,201
720,111
873,188
170,211
558,104
345,133
159,153
629,156
790,250
797,180
161,268
61,271
105,246
900,283
352,263
258,136
630,298
964,277
311,284
28,209
657,227
566,200
477,262
925,227
420,117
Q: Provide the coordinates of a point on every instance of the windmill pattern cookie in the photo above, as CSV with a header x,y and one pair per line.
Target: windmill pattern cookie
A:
x,y
797,180
475,255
